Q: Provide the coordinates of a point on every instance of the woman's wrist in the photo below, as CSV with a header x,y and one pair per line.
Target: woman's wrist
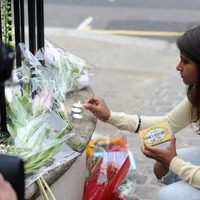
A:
x,y
160,170
107,116
139,124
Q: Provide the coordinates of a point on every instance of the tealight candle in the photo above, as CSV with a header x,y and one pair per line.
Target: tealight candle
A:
x,y
76,110
78,105
77,116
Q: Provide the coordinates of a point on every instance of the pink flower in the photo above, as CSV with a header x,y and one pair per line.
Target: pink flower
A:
x,y
42,101
52,55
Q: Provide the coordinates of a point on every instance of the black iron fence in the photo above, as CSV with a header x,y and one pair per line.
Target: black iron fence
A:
x,y
35,36
35,19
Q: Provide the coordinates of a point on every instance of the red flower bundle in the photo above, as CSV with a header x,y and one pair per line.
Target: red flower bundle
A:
x,y
108,164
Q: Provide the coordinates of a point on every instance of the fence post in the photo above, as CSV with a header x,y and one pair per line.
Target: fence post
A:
x,y
22,21
17,31
0,25
40,24
3,108
31,25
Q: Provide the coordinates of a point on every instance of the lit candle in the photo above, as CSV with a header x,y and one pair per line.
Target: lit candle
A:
x,y
78,105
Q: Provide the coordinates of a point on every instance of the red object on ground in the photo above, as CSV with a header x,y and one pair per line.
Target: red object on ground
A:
x,y
107,169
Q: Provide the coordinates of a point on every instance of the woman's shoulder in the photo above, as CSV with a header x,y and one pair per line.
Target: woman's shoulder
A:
x,y
183,107
187,102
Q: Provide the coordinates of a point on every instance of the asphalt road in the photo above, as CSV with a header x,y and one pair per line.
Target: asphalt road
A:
x,y
128,15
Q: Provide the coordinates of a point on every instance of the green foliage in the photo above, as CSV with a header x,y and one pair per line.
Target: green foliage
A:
x,y
7,27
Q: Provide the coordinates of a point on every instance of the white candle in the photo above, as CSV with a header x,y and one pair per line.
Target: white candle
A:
x,y
76,110
78,105
77,116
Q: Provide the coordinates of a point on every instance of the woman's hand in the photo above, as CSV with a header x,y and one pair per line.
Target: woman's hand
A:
x,y
164,156
6,190
98,107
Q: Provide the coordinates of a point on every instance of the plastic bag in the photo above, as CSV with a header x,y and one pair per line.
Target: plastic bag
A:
x,y
73,70
108,162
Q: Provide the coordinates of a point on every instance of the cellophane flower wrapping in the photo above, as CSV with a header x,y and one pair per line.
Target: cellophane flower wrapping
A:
x,y
37,133
74,71
37,121
108,162
59,71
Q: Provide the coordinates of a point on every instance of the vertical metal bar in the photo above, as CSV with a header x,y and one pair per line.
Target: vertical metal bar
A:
x,y
17,31
0,24
40,24
10,15
3,108
32,33
22,21
31,23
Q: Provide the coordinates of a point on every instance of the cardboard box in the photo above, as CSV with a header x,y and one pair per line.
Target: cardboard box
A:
x,y
156,134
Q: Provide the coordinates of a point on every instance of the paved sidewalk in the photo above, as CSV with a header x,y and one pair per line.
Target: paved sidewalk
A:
x,y
135,75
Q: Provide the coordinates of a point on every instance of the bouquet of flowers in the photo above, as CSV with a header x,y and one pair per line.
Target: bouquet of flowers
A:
x,y
37,121
59,71
67,68
108,163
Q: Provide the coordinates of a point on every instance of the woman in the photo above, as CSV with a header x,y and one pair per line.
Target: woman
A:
x,y
179,170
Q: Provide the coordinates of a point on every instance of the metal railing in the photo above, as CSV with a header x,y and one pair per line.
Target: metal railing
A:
x,y
35,16
35,37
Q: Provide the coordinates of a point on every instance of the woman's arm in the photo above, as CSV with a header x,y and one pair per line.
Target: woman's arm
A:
x,y
178,118
130,122
186,171
168,159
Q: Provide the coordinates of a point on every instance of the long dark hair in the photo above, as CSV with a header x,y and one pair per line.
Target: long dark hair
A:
x,y
189,44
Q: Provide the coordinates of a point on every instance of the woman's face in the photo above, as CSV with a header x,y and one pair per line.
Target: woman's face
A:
x,y
187,69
